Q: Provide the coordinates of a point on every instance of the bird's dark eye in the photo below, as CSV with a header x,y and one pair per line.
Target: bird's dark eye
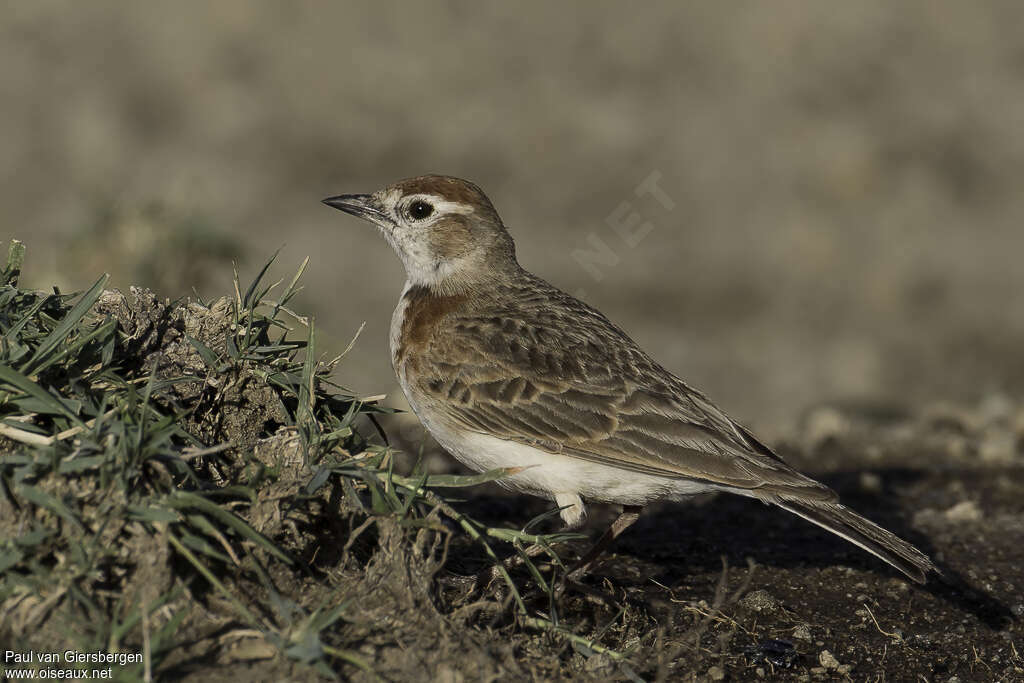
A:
x,y
420,210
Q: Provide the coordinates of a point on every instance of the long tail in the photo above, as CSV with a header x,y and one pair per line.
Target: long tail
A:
x,y
848,524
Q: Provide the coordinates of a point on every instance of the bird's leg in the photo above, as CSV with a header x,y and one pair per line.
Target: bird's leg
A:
x,y
629,515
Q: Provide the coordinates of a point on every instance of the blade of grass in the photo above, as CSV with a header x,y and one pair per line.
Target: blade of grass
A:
x,y
24,384
470,529
202,545
12,333
185,499
242,610
67,324
546,625
44,500
10,557
247,302
291,290
459,480
101,331
121,629
352,659
304,411
204,351
15,259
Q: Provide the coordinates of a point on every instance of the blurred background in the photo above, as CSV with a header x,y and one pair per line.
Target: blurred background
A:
x,y
842,217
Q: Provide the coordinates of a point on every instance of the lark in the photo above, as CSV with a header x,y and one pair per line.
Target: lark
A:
x,y
507,371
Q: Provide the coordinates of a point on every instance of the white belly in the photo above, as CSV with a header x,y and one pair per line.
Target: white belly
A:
x,y
548,474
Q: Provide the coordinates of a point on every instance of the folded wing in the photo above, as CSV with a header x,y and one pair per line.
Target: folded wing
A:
x,y
584,389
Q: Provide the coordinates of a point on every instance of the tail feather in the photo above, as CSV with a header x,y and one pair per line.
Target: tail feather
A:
x,y
848,524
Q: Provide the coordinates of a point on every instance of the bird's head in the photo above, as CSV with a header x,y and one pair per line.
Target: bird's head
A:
x,y
444,229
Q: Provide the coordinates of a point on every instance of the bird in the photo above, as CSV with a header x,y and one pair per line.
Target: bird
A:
x,y
505,370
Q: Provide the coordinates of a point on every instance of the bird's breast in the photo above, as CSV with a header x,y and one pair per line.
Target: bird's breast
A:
x,y
419,314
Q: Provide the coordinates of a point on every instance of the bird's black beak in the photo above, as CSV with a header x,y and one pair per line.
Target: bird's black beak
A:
x,y
360,205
